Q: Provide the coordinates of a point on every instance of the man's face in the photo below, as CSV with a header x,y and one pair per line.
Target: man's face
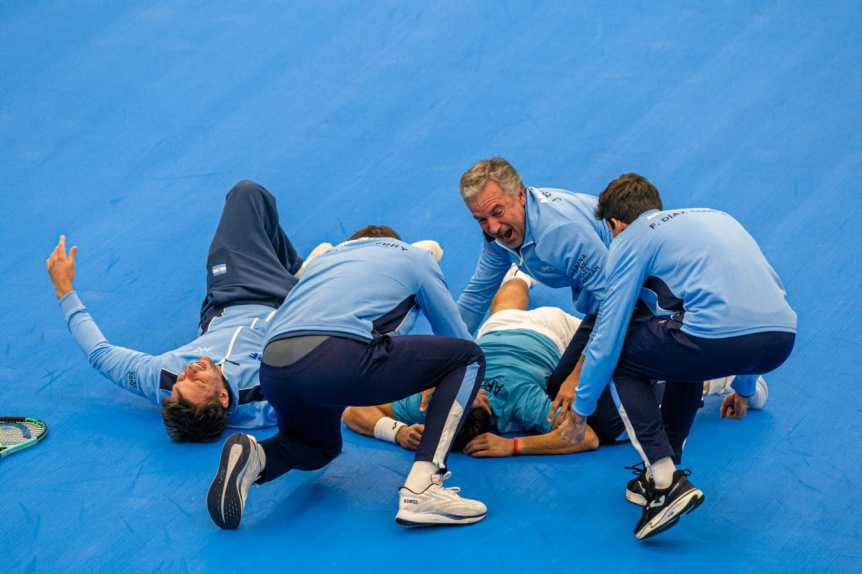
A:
x,y
199,381
500,215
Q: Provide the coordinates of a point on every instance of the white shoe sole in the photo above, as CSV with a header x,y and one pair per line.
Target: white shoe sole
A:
x,y
416,519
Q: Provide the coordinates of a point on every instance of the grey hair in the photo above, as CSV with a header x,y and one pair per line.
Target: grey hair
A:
x,y
495,169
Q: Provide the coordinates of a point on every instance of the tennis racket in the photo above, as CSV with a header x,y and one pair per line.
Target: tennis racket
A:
x,y
18,433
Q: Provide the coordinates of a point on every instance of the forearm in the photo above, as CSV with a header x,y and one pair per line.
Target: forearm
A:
x,y
553,443
362,419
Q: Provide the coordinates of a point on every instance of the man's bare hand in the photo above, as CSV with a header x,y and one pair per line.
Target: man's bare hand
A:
x,y
409,436
489,445
426,396
61,268
734,406
566,395
481,401
573,428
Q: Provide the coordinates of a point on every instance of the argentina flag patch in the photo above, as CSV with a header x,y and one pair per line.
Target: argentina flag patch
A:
x,y
219,269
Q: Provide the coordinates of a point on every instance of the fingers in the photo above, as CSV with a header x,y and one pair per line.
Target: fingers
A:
x,y
554,406
482,401
423,401
477,447
72,252
727,407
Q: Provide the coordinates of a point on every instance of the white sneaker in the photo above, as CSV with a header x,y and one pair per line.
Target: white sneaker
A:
x,y
761,393
515,273
720,387
242,461
322,248
432,246
437,505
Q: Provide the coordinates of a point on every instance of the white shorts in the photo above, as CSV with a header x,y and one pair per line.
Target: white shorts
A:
x,y
551,322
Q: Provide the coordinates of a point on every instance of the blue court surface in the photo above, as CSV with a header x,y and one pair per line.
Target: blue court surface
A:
x,y
124,124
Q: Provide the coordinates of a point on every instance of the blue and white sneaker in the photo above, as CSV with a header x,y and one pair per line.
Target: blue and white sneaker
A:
x,y
437,505
242,461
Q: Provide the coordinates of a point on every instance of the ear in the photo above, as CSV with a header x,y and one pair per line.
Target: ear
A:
x,y
617,226
522,197
224,398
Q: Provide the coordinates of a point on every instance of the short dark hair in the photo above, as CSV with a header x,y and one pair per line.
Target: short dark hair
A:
x,y
187,422
626,197
375,231
476,421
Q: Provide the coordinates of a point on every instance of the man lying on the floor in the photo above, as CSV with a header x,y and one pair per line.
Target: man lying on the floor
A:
x,y
251,266
521,348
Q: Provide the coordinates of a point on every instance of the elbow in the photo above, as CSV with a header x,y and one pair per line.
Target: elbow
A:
x,y
591,440
347,416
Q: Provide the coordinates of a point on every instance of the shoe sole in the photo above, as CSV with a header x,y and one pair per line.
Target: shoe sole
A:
x,y
419,519
224,501
671,515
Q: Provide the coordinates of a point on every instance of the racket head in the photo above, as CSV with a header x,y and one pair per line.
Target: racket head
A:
x,y
18,433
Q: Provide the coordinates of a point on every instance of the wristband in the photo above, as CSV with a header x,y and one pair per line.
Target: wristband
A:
x,y
387,428
517,450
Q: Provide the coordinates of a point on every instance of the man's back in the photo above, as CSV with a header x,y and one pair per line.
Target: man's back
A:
x,y
366,287
703,263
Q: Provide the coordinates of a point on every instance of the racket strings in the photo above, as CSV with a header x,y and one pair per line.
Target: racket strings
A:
x,y
12,433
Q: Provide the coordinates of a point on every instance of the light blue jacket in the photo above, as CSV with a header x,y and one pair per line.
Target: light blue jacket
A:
x,y
368,287
700,265
564,246
236,337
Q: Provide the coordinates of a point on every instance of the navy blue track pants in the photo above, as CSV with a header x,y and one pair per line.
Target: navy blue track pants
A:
x,y
310,395
251,259
657,349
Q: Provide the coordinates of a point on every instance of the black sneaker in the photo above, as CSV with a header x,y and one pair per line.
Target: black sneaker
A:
x,y
241,463
664,507
637,487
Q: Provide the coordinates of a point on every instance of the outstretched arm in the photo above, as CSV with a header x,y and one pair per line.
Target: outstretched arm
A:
x,y
134,371
61,268
489,445
365,419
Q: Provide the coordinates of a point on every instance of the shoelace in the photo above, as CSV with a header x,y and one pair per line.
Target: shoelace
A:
x,y
638,469
451,489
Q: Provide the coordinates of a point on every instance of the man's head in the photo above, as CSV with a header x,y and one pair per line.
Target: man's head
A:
x,y
375,231
494,194
477,421
196,411
624,199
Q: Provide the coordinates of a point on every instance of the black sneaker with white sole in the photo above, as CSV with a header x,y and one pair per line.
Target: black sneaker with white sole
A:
x,y
664,507
637,487
240,465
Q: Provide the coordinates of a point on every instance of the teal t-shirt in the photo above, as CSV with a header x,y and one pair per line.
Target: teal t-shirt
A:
x,y
519,362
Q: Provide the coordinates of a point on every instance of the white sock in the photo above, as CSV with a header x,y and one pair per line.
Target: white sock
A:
x,y
515,273
662,472
432,246
261,457
323,247
420,476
